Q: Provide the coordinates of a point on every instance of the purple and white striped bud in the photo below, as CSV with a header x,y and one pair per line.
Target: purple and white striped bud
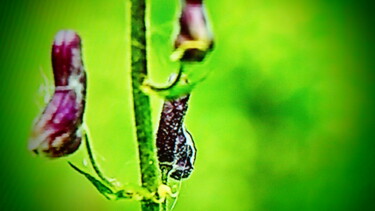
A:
x,y
57,131
176,150
195,38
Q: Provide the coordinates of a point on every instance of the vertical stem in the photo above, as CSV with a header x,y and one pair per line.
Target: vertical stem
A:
x,y
164,179
164,206
142,113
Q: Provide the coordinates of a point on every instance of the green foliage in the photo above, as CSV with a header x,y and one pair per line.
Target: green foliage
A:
x,y
102,188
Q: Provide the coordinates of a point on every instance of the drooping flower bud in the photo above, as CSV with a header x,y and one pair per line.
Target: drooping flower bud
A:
x,y
186,150
176,150
195,38
57,131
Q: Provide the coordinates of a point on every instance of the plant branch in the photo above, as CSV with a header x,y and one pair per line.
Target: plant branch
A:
x,y
93,162
142,113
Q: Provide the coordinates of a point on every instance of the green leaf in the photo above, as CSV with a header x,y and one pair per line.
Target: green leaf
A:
x,y
103,189
182,85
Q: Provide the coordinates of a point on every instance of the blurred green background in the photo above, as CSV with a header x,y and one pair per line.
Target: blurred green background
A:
x,y
285,121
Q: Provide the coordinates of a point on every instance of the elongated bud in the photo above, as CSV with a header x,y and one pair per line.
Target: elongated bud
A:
x,y
186,150
176,150
195,38
57,131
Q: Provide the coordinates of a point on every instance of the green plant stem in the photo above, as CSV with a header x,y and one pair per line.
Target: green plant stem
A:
x,y
93,162
142,113
164,179
164,205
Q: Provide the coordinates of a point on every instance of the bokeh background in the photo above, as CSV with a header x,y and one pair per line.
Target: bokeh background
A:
x,y
285,120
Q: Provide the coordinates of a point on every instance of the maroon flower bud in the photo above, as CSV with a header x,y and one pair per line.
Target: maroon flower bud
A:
x,y
176,150
57,131
195,38
185,157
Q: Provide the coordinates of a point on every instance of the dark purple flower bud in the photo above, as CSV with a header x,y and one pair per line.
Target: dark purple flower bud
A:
x,y
195,37
57,131
176,150
185,158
